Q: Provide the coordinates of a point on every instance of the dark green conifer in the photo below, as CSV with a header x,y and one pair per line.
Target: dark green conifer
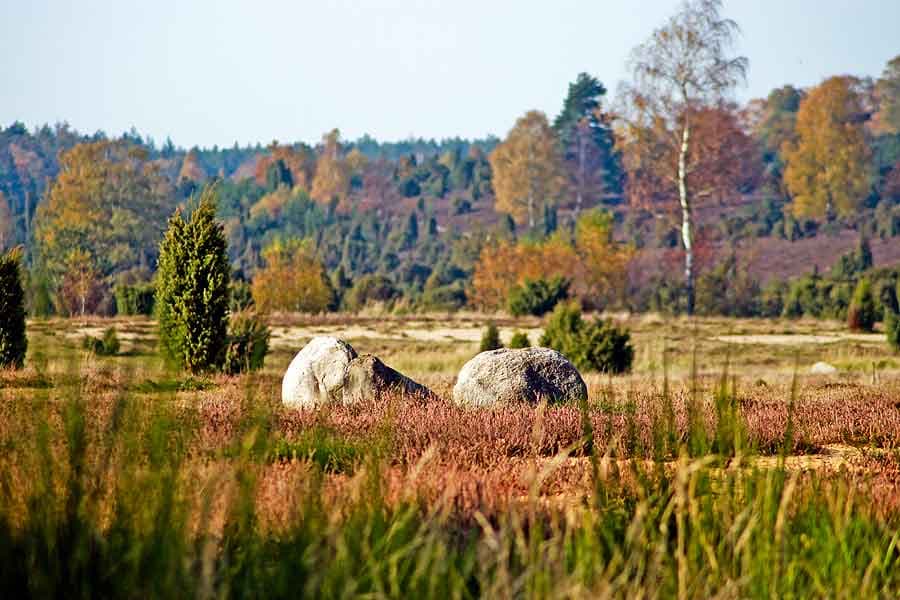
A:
x,y
13,342
193,288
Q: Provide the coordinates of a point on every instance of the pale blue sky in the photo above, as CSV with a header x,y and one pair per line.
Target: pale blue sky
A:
x,y
218,71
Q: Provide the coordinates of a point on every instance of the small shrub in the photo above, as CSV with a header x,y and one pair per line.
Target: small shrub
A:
x,y
248,343
605,348
519,340
862,313
600,346
108,345
563,329
241,296
771,301
39,301
537,296
892,328
491,338
13,341
134,299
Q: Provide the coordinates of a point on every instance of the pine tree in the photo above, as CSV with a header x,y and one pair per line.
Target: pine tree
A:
x,y
411,234
13,342
587,140
192,292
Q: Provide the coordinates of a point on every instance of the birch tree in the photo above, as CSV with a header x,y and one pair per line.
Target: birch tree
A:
x,y
527,168
684,67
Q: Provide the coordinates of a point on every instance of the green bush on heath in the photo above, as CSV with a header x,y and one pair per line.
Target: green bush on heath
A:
x,y
108,345
600,346
248,343
490,340
134,299
519,340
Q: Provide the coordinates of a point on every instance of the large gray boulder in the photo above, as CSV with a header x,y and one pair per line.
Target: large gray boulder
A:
x,y
367,378
528,375
316,375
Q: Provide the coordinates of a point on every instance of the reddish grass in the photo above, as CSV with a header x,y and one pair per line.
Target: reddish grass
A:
x,y
465,460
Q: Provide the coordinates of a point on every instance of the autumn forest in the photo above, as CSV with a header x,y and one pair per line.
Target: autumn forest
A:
x,y
642,344
663,195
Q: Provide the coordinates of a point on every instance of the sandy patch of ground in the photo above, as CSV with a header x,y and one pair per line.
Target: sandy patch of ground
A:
x,y
293,337
793,340
80,332
831,456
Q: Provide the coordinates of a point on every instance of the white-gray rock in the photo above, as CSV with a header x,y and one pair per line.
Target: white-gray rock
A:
x,y
367,378
528,375
316,375
823,368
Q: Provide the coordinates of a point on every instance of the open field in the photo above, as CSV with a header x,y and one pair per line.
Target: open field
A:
x,y
710,471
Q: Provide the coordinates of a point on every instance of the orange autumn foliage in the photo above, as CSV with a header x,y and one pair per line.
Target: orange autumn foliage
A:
x,y
191,169
593,262
300,161
503,265
293,279
332,179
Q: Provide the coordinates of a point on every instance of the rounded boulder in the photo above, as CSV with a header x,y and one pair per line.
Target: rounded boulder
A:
x,y
507,376
367,378
823,368
316,375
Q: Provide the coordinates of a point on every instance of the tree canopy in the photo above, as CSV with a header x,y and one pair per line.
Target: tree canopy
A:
x,y
828,170
527,168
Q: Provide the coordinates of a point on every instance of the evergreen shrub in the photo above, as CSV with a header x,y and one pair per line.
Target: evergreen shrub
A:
x,y
490,340
192,294
600,346
13,341
519,340
248,343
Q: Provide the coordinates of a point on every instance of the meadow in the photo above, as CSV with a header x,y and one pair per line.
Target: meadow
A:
x,y
718,468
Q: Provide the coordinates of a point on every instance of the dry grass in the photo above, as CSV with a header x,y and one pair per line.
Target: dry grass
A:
x,y
826,445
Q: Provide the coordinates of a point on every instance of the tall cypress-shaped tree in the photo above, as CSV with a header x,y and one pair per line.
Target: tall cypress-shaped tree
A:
x,y
192,293
585,132
13,342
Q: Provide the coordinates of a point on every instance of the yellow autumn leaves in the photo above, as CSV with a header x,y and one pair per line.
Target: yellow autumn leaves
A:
x,y
829,170
527,168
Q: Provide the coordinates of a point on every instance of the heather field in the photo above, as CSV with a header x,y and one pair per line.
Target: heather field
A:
x,y
718,468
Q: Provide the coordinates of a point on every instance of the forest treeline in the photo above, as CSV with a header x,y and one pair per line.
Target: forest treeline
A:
x,y
563,206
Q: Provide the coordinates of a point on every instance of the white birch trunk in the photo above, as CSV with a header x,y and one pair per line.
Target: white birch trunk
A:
x,y
686,216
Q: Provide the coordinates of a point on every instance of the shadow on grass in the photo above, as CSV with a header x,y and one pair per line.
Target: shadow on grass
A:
x,y
169,386
24,380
